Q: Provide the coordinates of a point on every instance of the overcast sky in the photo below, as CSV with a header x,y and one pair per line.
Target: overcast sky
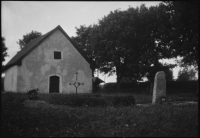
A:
x,y
21,17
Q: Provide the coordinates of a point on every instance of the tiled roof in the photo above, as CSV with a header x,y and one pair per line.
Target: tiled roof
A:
x,y
36,42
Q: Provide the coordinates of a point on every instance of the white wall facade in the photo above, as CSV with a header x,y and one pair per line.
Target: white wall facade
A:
x,y
10,80
39,65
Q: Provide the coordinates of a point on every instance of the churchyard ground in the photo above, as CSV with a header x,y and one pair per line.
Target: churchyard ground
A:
x,y
58,120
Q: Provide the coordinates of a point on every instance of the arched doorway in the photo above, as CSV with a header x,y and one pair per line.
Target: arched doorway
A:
x,y
54,82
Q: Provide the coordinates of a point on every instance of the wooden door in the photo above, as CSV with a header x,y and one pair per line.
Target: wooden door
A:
x,y
54,84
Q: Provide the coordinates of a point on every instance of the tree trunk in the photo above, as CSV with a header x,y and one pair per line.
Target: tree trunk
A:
x,y
119,77
150,88
147,88
198,86
93,85
118,85
151,83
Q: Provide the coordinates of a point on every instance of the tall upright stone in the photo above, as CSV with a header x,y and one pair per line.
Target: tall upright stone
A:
x,y
159,89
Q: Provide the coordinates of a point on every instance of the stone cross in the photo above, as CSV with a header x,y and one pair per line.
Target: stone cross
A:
x,y
159,89
76,83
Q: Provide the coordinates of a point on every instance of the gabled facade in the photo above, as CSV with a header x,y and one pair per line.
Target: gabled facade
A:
x,y
50,63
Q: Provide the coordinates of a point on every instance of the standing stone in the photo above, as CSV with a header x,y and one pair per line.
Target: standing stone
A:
x,y
159,89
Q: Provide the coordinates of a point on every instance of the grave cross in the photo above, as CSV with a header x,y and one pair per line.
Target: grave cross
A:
x,y
76,83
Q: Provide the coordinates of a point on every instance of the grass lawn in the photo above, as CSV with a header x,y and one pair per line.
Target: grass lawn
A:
x,y
59,120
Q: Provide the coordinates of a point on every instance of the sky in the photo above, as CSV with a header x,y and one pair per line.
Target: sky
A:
x,y
21,17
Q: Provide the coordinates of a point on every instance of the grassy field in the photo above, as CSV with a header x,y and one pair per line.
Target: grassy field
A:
x,y
59,120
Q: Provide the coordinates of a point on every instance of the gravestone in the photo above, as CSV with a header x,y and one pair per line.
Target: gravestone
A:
x,y
159,89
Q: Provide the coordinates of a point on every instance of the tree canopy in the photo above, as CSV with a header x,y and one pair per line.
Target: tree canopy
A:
x,y
27,38
85,40
130,43
127,42
184,39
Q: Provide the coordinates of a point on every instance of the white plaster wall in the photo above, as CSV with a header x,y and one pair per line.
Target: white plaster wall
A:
x,y
40,64
10,80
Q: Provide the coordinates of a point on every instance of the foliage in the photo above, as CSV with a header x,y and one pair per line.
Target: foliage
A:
x,y
32,93
77,100
181,86
13,98
85,40
184,36
186,74
127,100
92,100
61,121
27,38
130,43
172,87
181,96
3,50
127,42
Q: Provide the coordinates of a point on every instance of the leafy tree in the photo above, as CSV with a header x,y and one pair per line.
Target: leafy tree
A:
x,y
184,34
150,75
186,74
27,38
154,33
85,40
128,42
3,50
134,40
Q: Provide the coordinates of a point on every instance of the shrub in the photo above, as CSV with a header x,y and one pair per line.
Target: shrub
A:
x,y
77,100
32,93
10,97
92,100
171,86
127,100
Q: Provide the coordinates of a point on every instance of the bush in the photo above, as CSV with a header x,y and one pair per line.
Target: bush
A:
x,y
140,87
77,100
32,94
127,100
183,86
133,87
152,121
92,100
10,97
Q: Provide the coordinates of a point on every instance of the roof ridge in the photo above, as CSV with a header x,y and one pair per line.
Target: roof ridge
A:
x,y
27,48
41,36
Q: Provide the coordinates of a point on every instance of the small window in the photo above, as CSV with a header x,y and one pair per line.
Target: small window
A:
x,y
57,55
